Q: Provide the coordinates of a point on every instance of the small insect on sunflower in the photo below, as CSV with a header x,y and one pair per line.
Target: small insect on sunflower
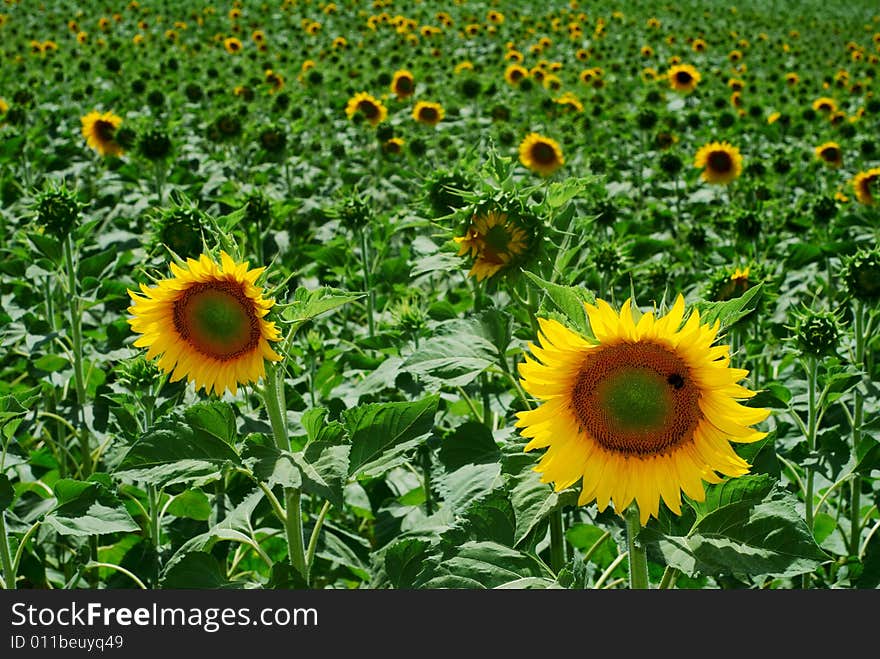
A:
x,y
540,154
721,162
643,412
207,323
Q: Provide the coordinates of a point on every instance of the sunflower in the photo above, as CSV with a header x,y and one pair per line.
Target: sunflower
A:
x,y
371,108
865,184
207,323
514,73
100,132
540,154
792,78
403,84
722,162
825,105
645,411
275,81
393,146
232,45
496,240
699,45
830,153
683,78
428,113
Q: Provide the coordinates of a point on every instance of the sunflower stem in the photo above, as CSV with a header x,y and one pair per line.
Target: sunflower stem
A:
x,y
638,557
5,556
76,339
858,414
365,261
153,499
670,574
273,398
812,414
557,541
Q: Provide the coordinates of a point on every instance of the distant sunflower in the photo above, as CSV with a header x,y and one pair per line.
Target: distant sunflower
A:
x,y
496,240
683,78
792,78
540,154
825,105
232,45
866,186
208,323
721,161
428,113
100,132
644,412
371,108
403,84
515,73
830,153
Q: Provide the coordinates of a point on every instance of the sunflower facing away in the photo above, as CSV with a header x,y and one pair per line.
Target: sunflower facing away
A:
x,y
721,162
643,413
867,185
100,132
495,240
371,108
207,323
683,78
540,154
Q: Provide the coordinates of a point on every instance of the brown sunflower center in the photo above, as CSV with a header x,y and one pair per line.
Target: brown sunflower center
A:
x,y
543,153
217,319
404,85
516,75
104,130
720,162
428,114
683,77
830,153
636,399
370,109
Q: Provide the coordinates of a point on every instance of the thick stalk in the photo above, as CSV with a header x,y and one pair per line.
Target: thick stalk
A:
x,y
365,261
858,417
670,574
273,398
153,500
77,346
5,556
812,413
557,541
638,557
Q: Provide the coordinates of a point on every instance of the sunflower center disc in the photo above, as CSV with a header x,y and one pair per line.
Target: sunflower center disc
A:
x,y
104,130
683,77
429,114
369,109
719,161
543,153
217,319
636,398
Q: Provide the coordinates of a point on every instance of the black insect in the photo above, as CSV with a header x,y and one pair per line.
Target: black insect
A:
x,y
676,380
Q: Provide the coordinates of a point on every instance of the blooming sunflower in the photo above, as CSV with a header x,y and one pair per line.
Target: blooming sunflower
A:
x,y
721,161
496,240
830,153
428,113
825,104
540,154
232,45
403,84
207,323
515,73
646,411
864,184
99,129
371,108
683,78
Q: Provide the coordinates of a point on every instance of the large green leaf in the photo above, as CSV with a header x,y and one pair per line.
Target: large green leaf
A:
x,y
381,433
197,570
729,312
471,443
748,487
7,493
532,500
487,565
87,508
455,356
404,560
307,304
568,299
214,418
747,537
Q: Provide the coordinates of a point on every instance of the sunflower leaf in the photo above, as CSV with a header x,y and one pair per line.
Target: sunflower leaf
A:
x,y
731,311
381,432
307,304
733,490
456,355
568,299
87,508
489,565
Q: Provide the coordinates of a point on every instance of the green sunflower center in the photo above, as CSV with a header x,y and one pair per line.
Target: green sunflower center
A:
x,y
636,399
217,319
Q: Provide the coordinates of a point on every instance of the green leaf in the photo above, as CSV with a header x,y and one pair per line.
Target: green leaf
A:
x,y
744,538
307,304
868,456
380,433
192,504
88,508
471,443
745,488
50,363
214,418
7,492
95,265
468,484
269,464
486,565
330,463
532,500
560,193
197,570
47,245
567,299
404,560
454,357
729,312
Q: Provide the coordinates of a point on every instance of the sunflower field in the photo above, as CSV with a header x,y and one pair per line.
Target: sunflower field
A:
x,y
299,294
